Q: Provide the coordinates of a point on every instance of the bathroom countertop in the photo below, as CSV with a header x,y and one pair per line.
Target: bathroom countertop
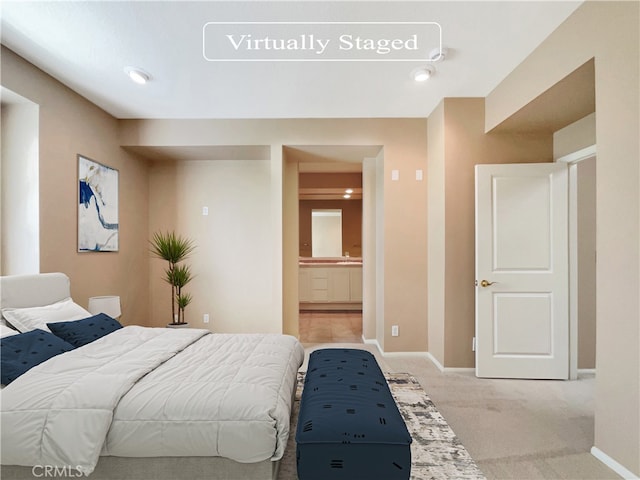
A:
x,y
330,262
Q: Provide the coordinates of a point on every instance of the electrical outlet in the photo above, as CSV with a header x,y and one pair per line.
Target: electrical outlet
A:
x,y
394,330
205,318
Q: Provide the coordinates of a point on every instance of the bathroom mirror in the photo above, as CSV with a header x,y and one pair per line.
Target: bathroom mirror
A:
x,y
326,233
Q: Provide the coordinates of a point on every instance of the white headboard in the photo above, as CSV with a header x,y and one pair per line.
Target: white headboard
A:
x,y
22,291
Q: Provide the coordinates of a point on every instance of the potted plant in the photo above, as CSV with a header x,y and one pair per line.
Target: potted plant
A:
x,y
175,249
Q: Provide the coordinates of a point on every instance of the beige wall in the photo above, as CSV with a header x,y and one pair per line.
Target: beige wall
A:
x,y
234,260
69,125
405,242
232,263
404,223
608,32
163,217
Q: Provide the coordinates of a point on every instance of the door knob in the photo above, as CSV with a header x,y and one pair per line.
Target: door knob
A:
x,y
486,283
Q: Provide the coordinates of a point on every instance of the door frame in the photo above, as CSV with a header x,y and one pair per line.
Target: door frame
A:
x,y
572,160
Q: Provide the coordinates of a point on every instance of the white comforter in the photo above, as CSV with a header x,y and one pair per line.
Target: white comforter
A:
x,y
141,392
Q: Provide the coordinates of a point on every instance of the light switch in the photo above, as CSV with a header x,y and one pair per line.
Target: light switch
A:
x,y
395,175
205,211
418,175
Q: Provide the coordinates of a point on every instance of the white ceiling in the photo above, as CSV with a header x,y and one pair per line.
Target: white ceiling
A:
x,y
87,44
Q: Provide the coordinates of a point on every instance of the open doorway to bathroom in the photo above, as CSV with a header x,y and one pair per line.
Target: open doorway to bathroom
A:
x,y
330,244
330,255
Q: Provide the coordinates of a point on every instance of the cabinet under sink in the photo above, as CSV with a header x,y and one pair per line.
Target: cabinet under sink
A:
x,y
330,286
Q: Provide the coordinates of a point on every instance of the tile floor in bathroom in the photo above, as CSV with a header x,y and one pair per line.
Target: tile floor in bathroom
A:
x,y
330,327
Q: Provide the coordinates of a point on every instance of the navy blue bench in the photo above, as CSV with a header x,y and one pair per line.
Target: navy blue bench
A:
x,y
349,426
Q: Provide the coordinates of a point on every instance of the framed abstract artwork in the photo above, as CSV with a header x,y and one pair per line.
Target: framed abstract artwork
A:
x,y
97,207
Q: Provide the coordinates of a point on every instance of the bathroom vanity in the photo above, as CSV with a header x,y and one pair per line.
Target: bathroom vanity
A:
x,y
330,283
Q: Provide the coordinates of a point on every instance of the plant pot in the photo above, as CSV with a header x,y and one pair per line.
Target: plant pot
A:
x,y
177,325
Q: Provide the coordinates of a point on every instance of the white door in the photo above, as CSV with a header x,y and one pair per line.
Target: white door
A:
x,y
522,292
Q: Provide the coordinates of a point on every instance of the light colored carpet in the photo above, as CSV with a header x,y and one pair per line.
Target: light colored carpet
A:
x,y
436,452
513,429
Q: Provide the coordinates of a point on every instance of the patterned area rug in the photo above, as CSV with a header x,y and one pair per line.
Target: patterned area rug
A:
x,y
436,452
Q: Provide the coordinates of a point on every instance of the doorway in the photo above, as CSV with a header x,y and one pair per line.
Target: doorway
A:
x,y
502,349
367,162
330,256
582,259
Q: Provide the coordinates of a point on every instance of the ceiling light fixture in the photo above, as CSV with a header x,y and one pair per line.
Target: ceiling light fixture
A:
x,y
349,190
422,74
346,195
137,75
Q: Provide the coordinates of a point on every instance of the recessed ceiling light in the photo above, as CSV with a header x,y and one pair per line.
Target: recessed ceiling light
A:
x,y
346,195
422,74
137,75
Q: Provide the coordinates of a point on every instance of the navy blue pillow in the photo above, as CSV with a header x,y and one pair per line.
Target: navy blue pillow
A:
x,y
81,332
21,352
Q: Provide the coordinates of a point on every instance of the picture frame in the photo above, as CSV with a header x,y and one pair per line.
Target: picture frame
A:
x,y
98,225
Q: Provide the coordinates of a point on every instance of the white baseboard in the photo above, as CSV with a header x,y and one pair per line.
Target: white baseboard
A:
x,y
459,370
587,371
405,354
613,465
427,355
372,341
444,369
435,361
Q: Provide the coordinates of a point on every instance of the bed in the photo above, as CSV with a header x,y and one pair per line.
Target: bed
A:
x,y
143,402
